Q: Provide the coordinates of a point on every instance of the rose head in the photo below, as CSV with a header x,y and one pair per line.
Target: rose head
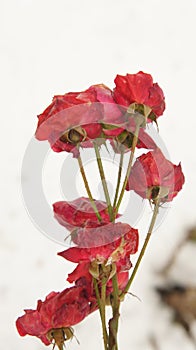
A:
x,y
96,261
79,213
123,241
75,117
140,89
59,310
153,177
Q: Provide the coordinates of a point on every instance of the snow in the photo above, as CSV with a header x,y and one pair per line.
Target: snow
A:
x,y
50,48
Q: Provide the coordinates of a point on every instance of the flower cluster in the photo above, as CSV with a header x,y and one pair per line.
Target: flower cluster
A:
x,y
101,244
77,118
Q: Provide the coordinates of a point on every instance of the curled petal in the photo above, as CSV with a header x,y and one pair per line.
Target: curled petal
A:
x,y
123,241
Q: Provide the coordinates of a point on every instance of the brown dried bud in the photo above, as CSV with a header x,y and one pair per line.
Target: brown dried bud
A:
x,y
75,135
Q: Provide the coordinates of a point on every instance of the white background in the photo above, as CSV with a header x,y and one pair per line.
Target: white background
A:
x,y
52,47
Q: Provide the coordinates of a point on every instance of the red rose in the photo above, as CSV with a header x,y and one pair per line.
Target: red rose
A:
x,y
118,240
62,309
75,117
139,88
153,176
79,213
125,242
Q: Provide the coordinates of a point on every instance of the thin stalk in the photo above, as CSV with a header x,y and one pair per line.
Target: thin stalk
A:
x,y
119,179
103,305
115,291
102,312
103,180
113,323
135,139
150,230
88,188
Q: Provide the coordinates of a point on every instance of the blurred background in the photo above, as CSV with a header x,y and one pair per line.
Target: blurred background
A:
x,y
52,47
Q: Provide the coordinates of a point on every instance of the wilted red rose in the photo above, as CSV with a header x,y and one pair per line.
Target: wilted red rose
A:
x,y
59,310
80,213
153,176
118,240
123,243
139,88
75,117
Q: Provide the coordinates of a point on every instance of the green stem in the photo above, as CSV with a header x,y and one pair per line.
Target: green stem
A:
x,y
103,305
113,323
88,188
135,139
150,230
119,178
101,310
104,183
115,291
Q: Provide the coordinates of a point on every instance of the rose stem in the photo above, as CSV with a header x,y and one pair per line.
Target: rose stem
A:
x,y
113,323
103,301
88,188
119,178
135,139
152,223
102,313
103,180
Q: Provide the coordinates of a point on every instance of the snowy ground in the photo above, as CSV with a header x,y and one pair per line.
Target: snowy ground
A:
x,y
52,47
